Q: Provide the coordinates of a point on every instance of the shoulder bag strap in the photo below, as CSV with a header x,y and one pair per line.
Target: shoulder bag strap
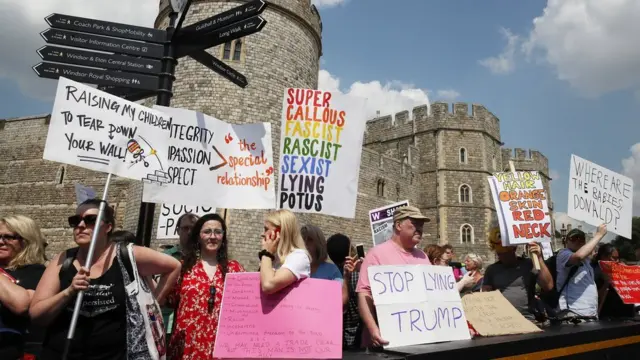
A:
x,y
126,260
572,272
70,256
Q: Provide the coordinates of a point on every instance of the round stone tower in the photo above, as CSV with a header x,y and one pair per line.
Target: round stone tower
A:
x,y
286,53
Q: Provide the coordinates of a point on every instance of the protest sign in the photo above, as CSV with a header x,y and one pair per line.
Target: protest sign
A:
x,y
169,215
303,321
381,221
521,206
95,130
84,193
417,304
213,163
491,314
320,149
600,196
625,280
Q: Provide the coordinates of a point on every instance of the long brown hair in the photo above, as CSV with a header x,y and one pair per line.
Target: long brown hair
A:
x,y
192,249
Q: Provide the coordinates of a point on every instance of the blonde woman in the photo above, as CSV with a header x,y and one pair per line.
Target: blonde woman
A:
x,y
283,259
21,267
473,264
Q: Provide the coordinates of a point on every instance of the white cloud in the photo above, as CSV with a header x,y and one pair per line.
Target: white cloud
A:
x,y
24,20
562,218
327,3
554,175
447,95
631,168
590,43
504,63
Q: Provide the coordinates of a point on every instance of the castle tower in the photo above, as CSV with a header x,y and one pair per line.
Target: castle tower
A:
x,y
286,53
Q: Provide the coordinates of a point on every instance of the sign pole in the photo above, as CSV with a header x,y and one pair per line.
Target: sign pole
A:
x,y
87,264
165,92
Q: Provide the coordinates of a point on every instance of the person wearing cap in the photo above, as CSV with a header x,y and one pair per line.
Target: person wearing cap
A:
x,y
580,295
401,249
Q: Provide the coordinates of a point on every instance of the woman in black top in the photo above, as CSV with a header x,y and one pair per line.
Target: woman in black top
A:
x,y
21,259
101,331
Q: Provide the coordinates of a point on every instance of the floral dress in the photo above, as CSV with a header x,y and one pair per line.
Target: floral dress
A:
x,y
195,328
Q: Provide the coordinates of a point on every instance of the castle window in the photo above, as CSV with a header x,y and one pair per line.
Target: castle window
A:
x,y
232,50
226,53
60,175
466,234
464,194
380,190
463,156
493,163
237,50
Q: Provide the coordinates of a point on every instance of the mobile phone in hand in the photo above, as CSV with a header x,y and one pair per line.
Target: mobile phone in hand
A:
x,y
360,250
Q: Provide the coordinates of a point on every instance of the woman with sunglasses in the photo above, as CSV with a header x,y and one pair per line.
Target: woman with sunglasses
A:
x,y
101,330
198,296
21,266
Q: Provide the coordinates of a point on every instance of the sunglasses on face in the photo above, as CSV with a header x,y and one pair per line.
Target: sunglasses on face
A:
x,y
212,297
89,220
9,237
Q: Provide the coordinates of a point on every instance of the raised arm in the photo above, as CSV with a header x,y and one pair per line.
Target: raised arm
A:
x,y
151,262
586,250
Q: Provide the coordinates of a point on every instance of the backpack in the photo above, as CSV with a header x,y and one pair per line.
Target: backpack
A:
x,y
552,297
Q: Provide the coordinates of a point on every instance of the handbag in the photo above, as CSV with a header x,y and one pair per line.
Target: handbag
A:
x,y
145,328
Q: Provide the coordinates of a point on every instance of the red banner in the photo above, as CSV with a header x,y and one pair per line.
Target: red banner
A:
x,y
625,280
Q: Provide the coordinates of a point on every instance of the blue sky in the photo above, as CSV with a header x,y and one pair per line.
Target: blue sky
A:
x,y
567,83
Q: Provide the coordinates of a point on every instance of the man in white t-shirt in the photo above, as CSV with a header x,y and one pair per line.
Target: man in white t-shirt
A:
x,y
580,295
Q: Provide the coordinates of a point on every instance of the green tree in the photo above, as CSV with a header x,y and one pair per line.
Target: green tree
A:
x,y
627,247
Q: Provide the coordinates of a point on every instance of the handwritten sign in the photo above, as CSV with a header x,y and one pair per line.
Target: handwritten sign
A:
x,y
417,304
95,130
213,163
598,195
169,215
625,280
521,205
381,221
320,149
491,314
303,321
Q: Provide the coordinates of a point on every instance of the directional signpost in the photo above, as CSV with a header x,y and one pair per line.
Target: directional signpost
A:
x,y
229,17
96,76
94,59
93,26
220,67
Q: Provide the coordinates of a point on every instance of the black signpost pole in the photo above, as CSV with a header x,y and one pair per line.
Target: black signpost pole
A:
x,y
165,92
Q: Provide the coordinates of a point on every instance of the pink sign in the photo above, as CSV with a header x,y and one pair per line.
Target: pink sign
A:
x,y
303,321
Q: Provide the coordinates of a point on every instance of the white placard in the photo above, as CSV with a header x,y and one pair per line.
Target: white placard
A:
x,y
598,195
320,149
213,163
381,221
521,206
169,215
84,193
417,304
95,130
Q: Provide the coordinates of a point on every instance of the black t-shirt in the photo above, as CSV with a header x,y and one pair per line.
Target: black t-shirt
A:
x,y
15,329
101,331
613,306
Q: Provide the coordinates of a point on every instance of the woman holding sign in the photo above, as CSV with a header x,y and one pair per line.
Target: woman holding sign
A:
x,y
284,258
198,295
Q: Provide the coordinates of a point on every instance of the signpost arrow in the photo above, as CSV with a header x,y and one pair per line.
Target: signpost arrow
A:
x,y
215,22
102,43
93,26
221,36
94,59
128,94
96,76
220,67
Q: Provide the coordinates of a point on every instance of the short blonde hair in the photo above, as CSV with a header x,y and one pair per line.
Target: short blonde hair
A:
x,y
290,237
476,259
33,241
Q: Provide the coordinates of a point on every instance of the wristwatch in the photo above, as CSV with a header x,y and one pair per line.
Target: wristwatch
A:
x,y
267,254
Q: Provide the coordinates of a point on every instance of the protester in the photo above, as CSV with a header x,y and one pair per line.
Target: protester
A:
x,y
103,326
21,267
435,254
408,225
610,305
580,295
198,295
448,257
284,258
514,276
316,245
473,263
340,251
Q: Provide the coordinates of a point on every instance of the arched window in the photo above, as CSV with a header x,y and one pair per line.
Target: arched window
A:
x,y
237,50
464,193
380,190
466,234
226,54
463,156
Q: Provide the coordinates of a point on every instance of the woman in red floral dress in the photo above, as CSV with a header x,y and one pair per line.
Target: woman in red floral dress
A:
x,y
198,295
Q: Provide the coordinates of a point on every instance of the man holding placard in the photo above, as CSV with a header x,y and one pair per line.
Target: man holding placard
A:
x,y
408,223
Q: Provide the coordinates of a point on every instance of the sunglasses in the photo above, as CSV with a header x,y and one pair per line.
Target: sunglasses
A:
x,y
9,237
89,220
212,297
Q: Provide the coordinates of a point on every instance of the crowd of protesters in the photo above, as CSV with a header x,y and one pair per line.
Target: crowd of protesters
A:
x,y
37,296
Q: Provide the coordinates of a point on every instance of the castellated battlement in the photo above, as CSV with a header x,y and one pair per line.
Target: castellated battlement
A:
x,y
440,116
524,159
387,165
